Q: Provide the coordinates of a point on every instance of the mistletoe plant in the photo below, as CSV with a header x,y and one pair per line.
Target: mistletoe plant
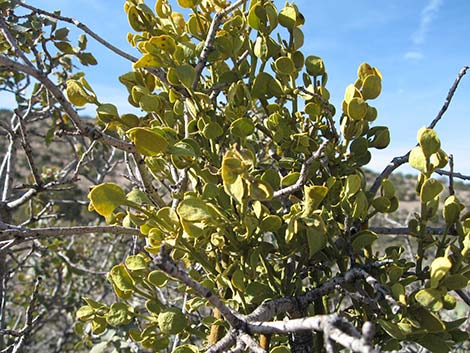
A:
x,y
250,195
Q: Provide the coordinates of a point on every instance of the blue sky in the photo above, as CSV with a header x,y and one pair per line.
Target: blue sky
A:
x,y
419,46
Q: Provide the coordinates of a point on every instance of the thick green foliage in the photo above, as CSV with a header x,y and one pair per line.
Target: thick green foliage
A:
x,y
264,197
239,135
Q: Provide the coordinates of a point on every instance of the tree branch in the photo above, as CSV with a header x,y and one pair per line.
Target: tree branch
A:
x,y
84,129
209,43
303,177
25,234
399,161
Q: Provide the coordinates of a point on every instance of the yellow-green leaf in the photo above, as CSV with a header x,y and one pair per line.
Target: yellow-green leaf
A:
x,y
106,197
314,195
357,108
417,159
158,278
270,223
186,74
314,65
238,280
188,4
260,190
172,321
430,298
76,94
284,65
148,60
371,87
439,268
316,240
119,314
194,210
122,281
430,190
363,239
288,17
147,141
428,141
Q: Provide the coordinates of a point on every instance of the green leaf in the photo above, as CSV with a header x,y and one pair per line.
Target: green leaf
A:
x,y
314,65
314,195
353,185
147,141
430,298
242,127
77,95
238,280
148,60
453,282
381,204
316,240
150,103
85,313
428,141
107,112
379,137
186,74
363,239
260,190
122,281
271,223
434,343
357,109
163,42
119,314
139,197
65,47
231,169
284,65
172,321
158,278
428,320
105,198
288,17
392,329
452,209
186,348
137,262
187,4
194,210
212,131
257,293
371,87
290,179
439,268
417,159
260,49
430,190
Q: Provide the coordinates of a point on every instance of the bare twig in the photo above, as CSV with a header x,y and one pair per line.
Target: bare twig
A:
x,y
454,174
84,129
26,330
303,173
80,25
209,43
12,42
405,230
164,263
25,234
